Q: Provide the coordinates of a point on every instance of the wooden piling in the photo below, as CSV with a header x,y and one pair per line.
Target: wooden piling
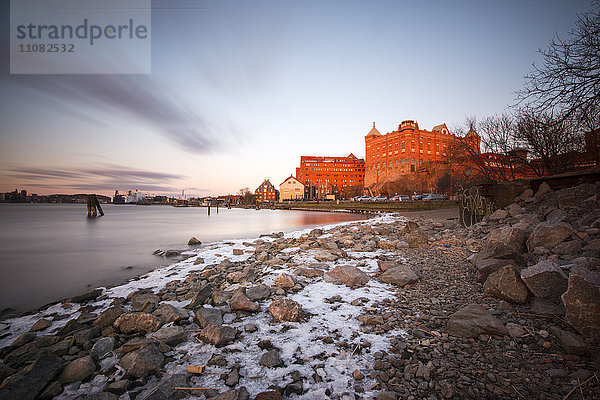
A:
x,y
93,206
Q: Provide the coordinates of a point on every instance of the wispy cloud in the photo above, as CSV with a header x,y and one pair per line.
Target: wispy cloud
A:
x,y
105,178
140,98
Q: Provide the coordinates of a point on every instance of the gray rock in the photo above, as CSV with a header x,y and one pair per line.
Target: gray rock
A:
x,y
258,292
200,297
78,370
490,265
473,320
271,359
83,298
546,307
346,275
548,234
206,316
582,301
30,382
505,284
168,313
23,339
545,279
166,388
102,348
511,236
170,335
571,343
400,275
140,363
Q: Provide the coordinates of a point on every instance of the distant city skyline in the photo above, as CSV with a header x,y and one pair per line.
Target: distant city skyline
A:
x,y
239,91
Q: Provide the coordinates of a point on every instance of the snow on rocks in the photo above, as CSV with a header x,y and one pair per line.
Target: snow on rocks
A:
x,y
270,322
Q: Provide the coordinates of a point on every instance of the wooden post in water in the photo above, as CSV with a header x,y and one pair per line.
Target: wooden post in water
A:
x,y
208,208
217,208
93,206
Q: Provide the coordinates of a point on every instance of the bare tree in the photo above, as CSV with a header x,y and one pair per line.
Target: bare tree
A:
x,y
492,149
247,196
555,142
568,82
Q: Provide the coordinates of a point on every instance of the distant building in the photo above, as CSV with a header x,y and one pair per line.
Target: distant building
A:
x,y
266,192
291,189
404,150
128,197
322,176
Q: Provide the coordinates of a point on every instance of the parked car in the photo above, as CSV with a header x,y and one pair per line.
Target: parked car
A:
x,y
418,196
379,198
431,197
361,198
401,197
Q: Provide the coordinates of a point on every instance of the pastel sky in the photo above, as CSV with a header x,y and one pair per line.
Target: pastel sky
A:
x,y
239,90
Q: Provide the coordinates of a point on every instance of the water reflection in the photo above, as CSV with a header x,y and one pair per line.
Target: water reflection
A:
x,y
53,251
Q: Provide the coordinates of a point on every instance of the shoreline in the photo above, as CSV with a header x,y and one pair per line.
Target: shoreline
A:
x,y
359,309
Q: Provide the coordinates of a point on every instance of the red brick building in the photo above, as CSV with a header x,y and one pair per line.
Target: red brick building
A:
x,y
329,175
407,149
266,192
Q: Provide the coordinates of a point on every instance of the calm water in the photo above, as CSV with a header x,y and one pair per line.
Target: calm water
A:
x,y
52,251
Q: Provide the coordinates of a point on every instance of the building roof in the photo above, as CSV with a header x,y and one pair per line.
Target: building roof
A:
x,y
438,128
471,133
290,177
374,131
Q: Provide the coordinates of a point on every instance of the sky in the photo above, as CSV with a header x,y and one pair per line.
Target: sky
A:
x,y
239,90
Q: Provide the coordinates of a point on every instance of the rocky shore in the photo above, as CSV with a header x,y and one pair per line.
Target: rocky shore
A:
x,y
386,308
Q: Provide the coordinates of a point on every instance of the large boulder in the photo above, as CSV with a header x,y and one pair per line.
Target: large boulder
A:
x,y
137,323
108,316
80,369
102,348
285,310
582,301
218,335
488,266
512,236
473,320
549,234
240,302
29,383
545,279
400,275
140,363
505,284
346,275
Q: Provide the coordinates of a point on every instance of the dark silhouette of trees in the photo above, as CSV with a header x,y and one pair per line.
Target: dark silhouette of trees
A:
x,y
567,85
